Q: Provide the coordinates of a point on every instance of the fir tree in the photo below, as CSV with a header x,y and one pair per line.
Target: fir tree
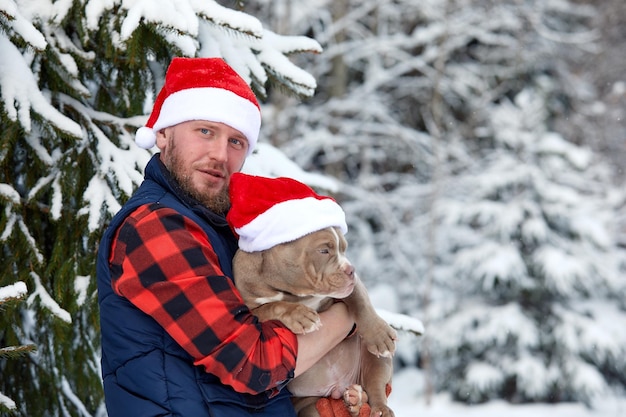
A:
x,y
532,260
77,79
10,295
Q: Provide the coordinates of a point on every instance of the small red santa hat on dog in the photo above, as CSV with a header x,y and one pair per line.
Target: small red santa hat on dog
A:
x,y
203,89
266,212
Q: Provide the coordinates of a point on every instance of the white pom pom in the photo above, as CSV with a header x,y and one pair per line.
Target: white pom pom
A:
x,y
145,137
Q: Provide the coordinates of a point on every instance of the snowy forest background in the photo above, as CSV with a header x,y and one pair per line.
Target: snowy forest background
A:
x,y
477,147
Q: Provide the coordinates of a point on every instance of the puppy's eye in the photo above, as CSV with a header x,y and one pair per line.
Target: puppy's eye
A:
x,y
324,251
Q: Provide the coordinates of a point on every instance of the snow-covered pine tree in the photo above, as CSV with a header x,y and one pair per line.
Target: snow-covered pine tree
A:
x,y
534,267
9,296
76,79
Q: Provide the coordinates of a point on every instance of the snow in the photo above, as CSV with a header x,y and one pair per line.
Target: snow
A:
x,y
555,144
7,402
47,300
268,161
30,239
483,376
81,284
21,24
9,193
407,400
12,291
595,329
20,92
16,290
402,322
8,227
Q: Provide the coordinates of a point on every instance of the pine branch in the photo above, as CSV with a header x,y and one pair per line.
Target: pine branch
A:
x,y
14,352
9,302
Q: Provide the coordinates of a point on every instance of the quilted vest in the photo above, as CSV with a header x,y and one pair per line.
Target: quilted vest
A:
x,y
144,371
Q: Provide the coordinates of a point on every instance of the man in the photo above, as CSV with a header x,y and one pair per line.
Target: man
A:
x,y
177,339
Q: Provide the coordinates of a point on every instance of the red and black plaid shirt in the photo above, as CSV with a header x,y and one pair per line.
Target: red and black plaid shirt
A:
x,y
164,264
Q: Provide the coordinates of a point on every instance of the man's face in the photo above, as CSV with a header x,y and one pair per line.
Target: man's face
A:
x,y
201,156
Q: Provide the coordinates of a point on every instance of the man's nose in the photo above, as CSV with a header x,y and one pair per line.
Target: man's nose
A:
x,y
219,149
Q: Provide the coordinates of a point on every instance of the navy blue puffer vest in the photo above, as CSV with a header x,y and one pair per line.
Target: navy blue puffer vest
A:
x,y
145,372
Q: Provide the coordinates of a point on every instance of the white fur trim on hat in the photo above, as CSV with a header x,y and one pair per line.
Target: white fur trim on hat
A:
x,y
214,105
290,220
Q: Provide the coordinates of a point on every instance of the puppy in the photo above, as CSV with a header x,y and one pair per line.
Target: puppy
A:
x,y
292,282
292,264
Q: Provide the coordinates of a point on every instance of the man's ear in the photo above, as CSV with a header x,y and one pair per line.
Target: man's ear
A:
x,y
161,139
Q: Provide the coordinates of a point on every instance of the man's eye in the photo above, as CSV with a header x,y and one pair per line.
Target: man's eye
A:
x,y
237,143
205,131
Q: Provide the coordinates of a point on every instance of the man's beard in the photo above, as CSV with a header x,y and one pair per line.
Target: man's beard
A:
x,y
218,203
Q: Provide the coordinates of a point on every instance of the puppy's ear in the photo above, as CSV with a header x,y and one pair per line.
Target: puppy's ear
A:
x,y
247,266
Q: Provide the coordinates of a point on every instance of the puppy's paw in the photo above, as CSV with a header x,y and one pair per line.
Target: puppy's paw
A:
x,y
380,411
379,338
354,397
301,319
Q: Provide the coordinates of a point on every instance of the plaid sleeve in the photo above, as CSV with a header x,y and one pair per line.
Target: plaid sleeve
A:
x,y
164,264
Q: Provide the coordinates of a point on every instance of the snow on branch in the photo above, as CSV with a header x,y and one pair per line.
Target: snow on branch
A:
x,y
402,322
117,165
206,28
564,272
71,396
98,195
7,402
13,291
22,26
594,329
487,327
272,56
482,376
20,93
47,301
31,240
231,19
269,161
8,192
10,223
9,293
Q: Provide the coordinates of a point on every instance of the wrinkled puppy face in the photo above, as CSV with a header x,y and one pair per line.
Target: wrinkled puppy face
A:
x,y
321,261
329,269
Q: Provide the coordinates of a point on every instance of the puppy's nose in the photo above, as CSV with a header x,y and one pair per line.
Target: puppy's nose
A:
x,y
348,269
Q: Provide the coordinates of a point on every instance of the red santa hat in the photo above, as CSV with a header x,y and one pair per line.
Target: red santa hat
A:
x,y
203,89
266,212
